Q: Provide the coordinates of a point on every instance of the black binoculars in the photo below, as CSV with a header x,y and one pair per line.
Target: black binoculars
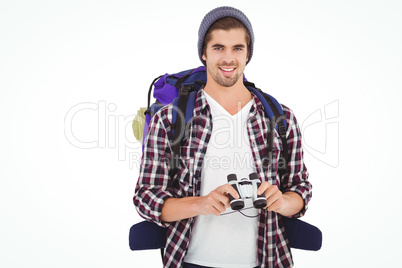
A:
x,y
246,188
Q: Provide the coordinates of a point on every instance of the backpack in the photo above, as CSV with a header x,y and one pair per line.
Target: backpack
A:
x,y
181,89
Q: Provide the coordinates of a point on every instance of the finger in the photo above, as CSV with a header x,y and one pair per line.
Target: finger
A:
x,y
222,203
209,205
214,211
275,206
225,200
228,189
218,202
263,187
273,198
272,189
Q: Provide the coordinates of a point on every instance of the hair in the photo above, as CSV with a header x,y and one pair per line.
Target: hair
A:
x,y
226,23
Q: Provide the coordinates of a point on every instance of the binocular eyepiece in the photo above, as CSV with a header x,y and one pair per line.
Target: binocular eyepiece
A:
x,y
246,188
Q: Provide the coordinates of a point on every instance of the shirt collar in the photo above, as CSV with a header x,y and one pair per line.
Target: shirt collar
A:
x,y
201,103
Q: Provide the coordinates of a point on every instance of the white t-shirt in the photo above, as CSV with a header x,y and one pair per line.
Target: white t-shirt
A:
x,y
228,240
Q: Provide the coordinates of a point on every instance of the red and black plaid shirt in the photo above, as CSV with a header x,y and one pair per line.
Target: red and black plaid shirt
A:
x,y
155,186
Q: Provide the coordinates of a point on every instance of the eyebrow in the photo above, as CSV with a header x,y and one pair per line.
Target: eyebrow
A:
x,y
217,45
236,46
239,46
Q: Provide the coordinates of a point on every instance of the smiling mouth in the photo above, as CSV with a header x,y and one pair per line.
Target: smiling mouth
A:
x,y
227,69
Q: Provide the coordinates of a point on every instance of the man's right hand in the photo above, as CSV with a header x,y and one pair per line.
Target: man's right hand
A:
x,y
216,202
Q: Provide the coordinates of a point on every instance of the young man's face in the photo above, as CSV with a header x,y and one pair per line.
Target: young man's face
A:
x,y
226,56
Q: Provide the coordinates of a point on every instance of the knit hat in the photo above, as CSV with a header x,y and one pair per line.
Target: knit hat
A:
x,y
217,14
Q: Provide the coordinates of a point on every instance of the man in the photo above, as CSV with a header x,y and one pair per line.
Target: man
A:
x,y
228,136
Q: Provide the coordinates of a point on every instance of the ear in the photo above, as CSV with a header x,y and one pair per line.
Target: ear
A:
x,y
204,57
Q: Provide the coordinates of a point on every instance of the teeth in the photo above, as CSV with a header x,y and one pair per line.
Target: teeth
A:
x,y
227,70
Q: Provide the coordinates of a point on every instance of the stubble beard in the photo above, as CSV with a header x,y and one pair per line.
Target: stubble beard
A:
x,y
222,80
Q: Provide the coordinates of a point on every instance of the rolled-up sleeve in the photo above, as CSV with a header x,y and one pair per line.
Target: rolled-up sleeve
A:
x,y
153,184
296,177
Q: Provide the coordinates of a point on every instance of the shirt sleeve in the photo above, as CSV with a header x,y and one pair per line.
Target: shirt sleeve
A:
x,y
153,184
296,177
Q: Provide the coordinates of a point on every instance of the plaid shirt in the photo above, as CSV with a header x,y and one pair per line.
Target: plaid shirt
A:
x,y
155,186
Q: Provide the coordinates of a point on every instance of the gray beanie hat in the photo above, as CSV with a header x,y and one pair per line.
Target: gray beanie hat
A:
x,y
217,14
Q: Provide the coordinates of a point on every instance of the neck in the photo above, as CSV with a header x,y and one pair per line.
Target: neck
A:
x,y
232,99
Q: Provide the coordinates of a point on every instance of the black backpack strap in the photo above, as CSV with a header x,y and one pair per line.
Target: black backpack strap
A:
x,y
282,133
276,120
150,90
281,127
178,127
181,79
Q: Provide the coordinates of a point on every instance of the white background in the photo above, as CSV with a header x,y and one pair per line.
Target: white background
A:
x,y
65,206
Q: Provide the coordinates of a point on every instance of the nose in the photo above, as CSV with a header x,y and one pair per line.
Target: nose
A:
x,y
228,58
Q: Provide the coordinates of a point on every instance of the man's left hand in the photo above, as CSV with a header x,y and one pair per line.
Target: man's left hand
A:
x,y
286,204
275,201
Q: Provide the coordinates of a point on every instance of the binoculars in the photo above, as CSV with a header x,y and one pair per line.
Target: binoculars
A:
x,y
246,188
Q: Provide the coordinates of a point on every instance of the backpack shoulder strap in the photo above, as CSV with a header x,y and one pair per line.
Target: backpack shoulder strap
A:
x,y
274,112
182,112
